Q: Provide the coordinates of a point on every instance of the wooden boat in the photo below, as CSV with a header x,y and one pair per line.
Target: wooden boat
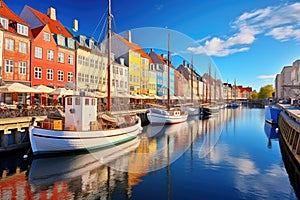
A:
x,y
81,127
158,115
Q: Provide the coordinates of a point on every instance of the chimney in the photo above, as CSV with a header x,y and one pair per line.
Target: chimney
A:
x,y
52,13
128,36
75,25
122,61
184,63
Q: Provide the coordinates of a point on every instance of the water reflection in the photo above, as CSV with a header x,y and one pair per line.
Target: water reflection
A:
x,y
270,131
79,176
183,161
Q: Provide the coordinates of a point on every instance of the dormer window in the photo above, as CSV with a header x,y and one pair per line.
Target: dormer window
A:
x,y
61,40
4,22
23,30
71,43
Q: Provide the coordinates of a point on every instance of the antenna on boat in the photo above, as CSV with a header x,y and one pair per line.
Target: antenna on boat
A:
x,y
169,62
108,55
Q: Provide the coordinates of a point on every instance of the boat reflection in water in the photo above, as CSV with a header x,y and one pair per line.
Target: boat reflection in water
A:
x,y
163,141
270,131
83,174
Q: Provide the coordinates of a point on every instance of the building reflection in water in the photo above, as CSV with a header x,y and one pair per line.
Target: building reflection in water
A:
x,y
115,171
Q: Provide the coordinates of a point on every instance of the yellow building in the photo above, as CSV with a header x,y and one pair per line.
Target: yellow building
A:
x,y
136,59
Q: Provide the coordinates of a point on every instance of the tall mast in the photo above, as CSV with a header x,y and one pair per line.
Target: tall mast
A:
x,y
192,84
209,82
169,61
108,55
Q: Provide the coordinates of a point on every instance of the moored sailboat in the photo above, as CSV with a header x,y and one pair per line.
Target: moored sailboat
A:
x,y
81,127
157,115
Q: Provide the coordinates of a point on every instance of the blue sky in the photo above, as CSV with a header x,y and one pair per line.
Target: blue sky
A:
x,y
248,40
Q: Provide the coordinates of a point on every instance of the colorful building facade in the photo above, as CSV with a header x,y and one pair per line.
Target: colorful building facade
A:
x,y
15,62
52,50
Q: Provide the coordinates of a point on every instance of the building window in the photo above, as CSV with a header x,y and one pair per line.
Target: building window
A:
x,y
70,76
71,59
86,78
61,40
71,43
38,52
9,66
79,60
60,75
50,74
23,47
79,77
21,29
61,57
46,36
9,44
50,55
4,22
37,72
22,67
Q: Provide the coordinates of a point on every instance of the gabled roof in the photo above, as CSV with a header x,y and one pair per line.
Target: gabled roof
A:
x,y
134,47
5,12
54,25
8,13
37,31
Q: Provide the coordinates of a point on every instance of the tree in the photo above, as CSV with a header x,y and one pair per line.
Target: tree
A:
x,y
266,92
254,95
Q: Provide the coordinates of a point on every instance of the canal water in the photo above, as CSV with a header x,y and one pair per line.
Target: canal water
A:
x,y
233,154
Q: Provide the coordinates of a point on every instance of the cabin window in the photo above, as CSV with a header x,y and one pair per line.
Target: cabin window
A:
x,y
93,102
69,101
77,101
87,102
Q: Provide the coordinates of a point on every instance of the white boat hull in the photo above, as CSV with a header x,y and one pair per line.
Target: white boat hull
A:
x,y
45,141
165,118
191,111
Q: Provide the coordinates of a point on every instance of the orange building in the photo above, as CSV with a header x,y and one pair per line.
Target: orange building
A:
x,y
52,49
16,50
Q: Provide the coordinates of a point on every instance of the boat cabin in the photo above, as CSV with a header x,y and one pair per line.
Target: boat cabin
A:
x,y
80,112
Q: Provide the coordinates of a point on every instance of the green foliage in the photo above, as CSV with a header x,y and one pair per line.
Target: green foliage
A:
x,y
266,92
254,95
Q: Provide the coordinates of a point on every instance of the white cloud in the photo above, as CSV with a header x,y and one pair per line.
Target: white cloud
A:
x,y
280,22
266,76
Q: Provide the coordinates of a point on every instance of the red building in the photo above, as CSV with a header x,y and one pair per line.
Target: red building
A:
x,y
244,92
52,49
16,50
